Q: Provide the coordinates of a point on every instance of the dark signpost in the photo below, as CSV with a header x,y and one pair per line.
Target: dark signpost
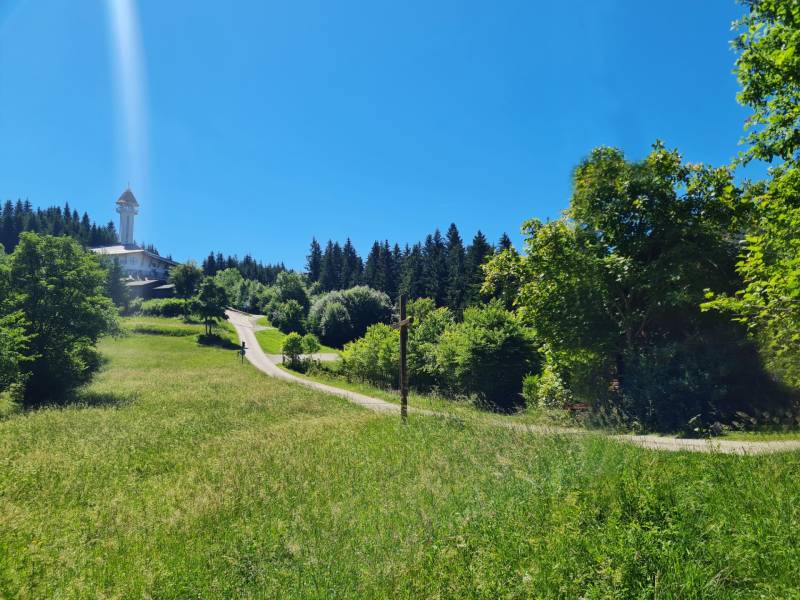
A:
x,y
403,327
243,351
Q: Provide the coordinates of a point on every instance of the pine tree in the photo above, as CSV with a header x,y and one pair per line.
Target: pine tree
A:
x,y
352,266
477,253
328,275
374,275
504,243
411,281
314,261
455,292
434,274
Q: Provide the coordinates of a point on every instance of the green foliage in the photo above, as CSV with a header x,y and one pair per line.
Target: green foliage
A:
x,y
21,216
210,303
288,316
292,286
334,325
115,286
186,278
503,277
311,344
546,389
768,68
375,358
292,348
232,282
57,293
341,316
768,302
428,325
163,307
488,355
614,290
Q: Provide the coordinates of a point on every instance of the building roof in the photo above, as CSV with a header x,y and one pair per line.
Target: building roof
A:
x,y
142,282
121,250
128,198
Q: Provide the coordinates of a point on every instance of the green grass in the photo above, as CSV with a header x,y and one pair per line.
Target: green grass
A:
x,y
185,474
458,408
761,436
271,341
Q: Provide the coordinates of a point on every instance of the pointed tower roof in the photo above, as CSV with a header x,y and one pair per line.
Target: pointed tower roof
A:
x,y
127,198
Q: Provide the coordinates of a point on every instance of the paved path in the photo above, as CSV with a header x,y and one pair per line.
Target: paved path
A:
x,y
245,327
322,356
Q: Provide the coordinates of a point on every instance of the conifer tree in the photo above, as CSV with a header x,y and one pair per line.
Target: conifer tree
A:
x,y
477,253
314,261
434,273
504,243
455,292
374,275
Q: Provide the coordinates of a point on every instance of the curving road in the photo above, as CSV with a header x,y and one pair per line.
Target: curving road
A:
x,y
246,327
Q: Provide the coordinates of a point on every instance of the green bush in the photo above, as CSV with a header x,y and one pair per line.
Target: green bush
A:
x,y
487,355
292,348
335,327
546,389
375,358
429,323
354,311
163,307
311,344
287,316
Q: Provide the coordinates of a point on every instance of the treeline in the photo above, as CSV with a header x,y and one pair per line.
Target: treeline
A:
x,y
441,268
248,267
21,216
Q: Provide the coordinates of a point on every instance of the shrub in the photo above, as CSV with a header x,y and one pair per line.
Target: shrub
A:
x,y
546,389
311,344
363,307
287,316
375,358
429,323
335,327
292,349
163,307
134,307
487,355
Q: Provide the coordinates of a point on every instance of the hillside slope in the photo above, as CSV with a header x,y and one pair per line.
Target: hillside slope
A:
x,y
188,474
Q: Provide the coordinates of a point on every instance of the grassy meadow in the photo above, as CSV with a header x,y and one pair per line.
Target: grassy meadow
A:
x,y
185,474
271,340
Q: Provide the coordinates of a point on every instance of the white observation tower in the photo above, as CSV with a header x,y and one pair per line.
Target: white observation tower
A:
x,y
127,207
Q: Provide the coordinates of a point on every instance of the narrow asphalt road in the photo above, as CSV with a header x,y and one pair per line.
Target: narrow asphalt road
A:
x,y
245,326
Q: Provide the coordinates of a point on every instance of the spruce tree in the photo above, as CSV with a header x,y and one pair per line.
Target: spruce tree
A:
x,y
374,275
455,292
504,243
434,274
314,261
477,254
352,266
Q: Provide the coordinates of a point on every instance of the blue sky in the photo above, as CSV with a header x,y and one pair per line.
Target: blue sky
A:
x,y
260,124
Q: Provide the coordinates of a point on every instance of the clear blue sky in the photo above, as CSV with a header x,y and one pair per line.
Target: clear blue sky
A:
x,y
261,124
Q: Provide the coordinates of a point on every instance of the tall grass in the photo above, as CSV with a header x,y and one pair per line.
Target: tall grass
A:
x,y
187,474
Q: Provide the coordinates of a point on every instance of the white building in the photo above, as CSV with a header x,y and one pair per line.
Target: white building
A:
x,y
146,272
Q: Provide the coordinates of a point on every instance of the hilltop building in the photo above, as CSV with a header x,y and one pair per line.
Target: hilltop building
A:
x,y
145,272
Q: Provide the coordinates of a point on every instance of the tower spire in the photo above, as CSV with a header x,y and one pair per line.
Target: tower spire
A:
x,y
128,208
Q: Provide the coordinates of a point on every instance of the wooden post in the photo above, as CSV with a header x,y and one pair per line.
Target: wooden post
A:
x,y
403,360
